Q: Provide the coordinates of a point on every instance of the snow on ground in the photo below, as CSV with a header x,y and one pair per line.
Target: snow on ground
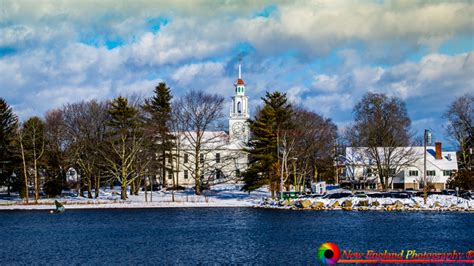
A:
x,y
228,195
222,195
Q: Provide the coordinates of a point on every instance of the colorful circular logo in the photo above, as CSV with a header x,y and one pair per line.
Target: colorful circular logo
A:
x,y
328,253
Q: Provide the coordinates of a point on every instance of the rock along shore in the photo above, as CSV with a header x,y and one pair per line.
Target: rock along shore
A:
x,y
434,203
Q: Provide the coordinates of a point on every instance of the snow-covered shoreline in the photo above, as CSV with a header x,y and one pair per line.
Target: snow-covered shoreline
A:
x,y
231,195
221,196
127,205
434,203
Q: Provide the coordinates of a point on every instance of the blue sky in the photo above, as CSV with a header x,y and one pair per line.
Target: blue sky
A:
x,y
324,54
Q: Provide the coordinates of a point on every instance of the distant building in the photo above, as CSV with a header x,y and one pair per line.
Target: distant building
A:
x,y
221,157
360,169
71,175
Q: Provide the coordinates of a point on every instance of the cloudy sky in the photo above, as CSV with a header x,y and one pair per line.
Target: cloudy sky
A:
x,y
324,54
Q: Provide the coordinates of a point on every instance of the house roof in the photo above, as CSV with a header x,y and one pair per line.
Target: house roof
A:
x,y
356,155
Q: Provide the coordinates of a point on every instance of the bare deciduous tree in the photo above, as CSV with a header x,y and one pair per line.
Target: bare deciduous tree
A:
x,y
33,141
460,115
86,129
197,112
313,139
55,152
21,136
381,127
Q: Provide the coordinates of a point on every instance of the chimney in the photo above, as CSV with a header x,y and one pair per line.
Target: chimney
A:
x,y
439,154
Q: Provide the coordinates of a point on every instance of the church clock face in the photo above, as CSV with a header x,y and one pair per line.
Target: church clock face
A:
x,y
238,128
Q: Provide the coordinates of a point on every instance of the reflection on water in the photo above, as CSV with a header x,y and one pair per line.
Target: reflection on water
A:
x,y
219,235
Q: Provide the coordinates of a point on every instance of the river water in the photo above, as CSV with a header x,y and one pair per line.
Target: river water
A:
x,y
220,235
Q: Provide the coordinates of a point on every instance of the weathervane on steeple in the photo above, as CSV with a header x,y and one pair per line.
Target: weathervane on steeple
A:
x,y
240,63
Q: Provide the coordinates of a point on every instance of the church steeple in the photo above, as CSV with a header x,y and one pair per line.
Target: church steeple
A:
x,y
240,84
239,110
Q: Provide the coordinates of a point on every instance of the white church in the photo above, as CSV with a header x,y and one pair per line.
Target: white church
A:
x,y
221,158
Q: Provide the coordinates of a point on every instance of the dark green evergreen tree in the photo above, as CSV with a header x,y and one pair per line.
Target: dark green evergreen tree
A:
x,y
266,130
126,138
158,108
123,117
9,159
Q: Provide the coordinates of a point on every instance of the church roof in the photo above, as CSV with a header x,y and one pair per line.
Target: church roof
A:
x,y
240,82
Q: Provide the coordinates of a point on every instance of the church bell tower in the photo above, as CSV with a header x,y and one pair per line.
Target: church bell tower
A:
x,y
239,113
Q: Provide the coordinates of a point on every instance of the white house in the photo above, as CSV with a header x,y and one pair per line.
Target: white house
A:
x,y
360,167
221,157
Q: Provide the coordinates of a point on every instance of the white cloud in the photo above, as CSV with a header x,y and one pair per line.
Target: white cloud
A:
x,y
324,82
187,74
294,94
194,48
203,28
329,104
317,27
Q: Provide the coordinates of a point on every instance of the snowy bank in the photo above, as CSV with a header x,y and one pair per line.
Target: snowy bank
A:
x,y
222,195
434,203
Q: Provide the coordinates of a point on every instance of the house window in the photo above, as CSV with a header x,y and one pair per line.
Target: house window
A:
x,y
201,158
413,173
170,174
186,174
186,158
431,172
218,157
447,172
392,171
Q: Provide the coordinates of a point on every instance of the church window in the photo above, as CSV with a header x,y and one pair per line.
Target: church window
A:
x,y
218,157
186,158
239,110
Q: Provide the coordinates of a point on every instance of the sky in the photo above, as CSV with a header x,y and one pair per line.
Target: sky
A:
x,y
324,54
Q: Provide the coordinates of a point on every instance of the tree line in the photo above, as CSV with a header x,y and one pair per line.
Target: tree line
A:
x,y
291,146
130,142
124,141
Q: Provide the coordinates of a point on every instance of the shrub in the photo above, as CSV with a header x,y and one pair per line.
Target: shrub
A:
x,y
53,188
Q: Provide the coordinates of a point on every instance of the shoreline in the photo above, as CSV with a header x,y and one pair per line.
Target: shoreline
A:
x,y
130,205
126,205
368,210
188,205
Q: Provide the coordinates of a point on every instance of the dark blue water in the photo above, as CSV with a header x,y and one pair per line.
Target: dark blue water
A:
x,y
219,235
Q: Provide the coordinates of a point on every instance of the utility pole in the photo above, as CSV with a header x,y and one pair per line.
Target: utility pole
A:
x,y
336,178
426,138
